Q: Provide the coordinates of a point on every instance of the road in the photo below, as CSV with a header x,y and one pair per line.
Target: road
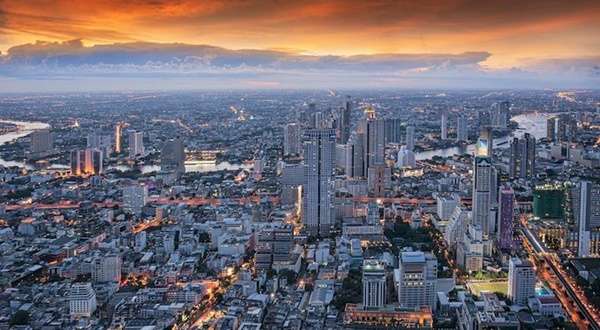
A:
x,y
569,288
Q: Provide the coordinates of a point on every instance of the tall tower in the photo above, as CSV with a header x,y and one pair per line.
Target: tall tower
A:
x,y
355,156
118,129
344,121
507,215
172,156
416,280
522,157
136,144
485,143
444,125
374,140
482,188
410,138
291,139
319,155
462,128
589,219
374,284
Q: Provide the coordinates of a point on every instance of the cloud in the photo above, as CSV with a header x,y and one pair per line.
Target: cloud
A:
x,y
180,64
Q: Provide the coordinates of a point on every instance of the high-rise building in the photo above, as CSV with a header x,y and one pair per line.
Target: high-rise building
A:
x,y
406,158
89,161
172,156
482,187
566,128
345,114
319,149
551,129
355,156
462,128
521,281
522,157
410,138
416,279
374,284
501,114
106,268
134,198
374,140
136,144
379,179
506,215
444,126
589,219
485,143
393,128
82,300
118,134
291,139
41,142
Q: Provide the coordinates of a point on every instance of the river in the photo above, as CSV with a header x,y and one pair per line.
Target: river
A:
x,y
533,123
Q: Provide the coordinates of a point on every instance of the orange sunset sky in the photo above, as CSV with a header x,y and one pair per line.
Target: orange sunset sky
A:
x,y
514,32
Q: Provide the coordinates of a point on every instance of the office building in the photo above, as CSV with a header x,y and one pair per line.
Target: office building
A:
x,y
42,142
485,143
82,300
406,158
551,129
462,128
393,128
374,140
416,279
522,157
344,120
521,281
506,218
379,180
107,268
444,126
355,156
86,162
482,188
319,147
172,156
500,114
291,139
446,205
118,135
589,219
136,144
135,198
374,284
410,138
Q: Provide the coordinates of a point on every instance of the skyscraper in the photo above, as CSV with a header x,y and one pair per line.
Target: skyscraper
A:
x,y
379,180
521,281
410,138
462,128
393,128
291,139
355,156
106,268
41,142
589,219
118,131
319,148
172,156
374,140
551,129
82,300
87,161
444,126
482,186
485,143
374,284
136,144
416,279
344,117
501,114
506,218
522,157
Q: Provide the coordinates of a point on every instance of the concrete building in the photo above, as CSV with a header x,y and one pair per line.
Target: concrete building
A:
x,y
416,279
172,156
42,142
521,281
134,198
136,144
374,284
522,157
319,155
106,268
589,219
462,128
291,139
410,138
82,300
506,218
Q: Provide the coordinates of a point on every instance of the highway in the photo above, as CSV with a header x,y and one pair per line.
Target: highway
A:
x,y
549,259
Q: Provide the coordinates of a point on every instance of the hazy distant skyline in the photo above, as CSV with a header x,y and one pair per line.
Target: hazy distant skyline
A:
x,y
299,44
